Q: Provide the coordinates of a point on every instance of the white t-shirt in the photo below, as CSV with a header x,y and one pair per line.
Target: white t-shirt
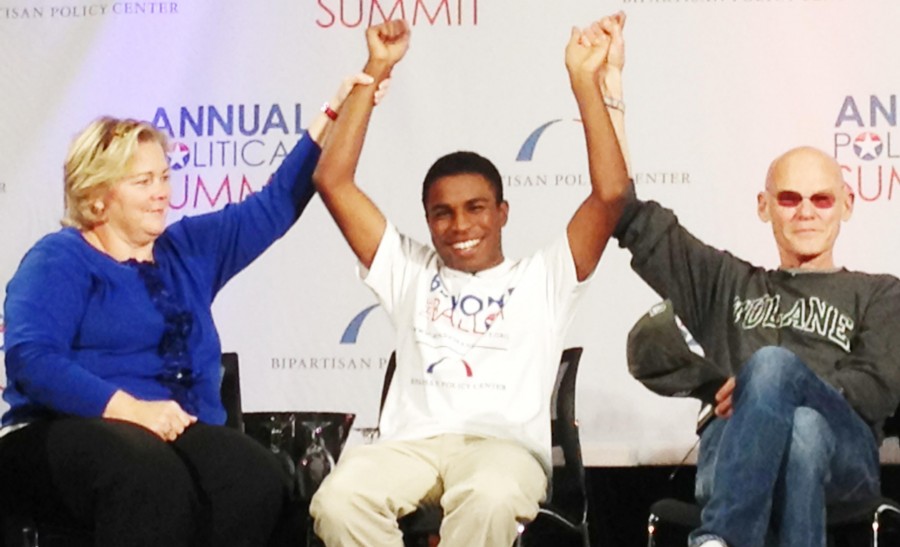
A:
x,y
477,353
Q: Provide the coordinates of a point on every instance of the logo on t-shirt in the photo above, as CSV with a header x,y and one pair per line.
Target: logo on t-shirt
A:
x,y
455,322
466,366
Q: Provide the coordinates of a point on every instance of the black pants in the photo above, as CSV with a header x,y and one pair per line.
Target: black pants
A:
x,y
213,486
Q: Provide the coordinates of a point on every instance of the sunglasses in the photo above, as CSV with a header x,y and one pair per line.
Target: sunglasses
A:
x,y
790,199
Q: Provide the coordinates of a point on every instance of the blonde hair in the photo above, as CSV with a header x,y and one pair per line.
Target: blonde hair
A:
x,y
98,158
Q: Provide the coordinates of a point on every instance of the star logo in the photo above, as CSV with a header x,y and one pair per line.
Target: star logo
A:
x,y
179,155
867,146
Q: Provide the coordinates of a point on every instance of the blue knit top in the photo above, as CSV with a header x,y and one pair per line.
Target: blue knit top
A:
x,y
80,325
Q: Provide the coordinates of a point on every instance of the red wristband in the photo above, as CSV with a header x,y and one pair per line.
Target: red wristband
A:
x,y
330,112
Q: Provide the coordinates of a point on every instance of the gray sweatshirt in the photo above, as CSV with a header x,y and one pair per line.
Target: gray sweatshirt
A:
x,y
844,325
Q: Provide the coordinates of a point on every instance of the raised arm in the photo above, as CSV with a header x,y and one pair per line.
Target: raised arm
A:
x,y
356,215
610,77
589,55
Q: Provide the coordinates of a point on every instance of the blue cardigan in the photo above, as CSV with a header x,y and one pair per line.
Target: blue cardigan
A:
x,y
80,326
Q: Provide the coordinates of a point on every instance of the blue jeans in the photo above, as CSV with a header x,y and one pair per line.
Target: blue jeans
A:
x,y
792,446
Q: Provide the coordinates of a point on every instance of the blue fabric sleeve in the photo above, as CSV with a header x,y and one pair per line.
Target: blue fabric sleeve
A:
x,y
227,241
45,302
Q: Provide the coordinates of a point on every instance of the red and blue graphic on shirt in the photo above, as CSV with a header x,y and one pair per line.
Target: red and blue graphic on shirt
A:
x,y
459,322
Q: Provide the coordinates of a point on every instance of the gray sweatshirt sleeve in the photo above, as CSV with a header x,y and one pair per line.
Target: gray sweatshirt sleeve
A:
x,y
869,377
698,278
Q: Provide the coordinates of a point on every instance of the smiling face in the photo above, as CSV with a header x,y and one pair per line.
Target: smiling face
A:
x,y
136,206
465,220
805,200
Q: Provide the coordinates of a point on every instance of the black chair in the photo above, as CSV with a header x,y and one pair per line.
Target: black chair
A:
x,y
21,530
231,391
566,510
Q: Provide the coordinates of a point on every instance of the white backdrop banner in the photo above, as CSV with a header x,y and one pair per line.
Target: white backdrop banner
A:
x,y
714,88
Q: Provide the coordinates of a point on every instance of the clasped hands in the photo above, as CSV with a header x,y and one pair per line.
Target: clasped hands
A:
x,y
597,53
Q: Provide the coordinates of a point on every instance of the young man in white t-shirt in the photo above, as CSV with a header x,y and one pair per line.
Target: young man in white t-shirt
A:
x,y
467,420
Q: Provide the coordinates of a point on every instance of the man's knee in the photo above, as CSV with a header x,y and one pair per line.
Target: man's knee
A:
x,y
341,494
497,501
812,443
487,505
331,499
771,369
345,507
769,363
385,479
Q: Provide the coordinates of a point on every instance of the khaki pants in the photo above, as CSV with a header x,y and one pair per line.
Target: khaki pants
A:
x,y
485,486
